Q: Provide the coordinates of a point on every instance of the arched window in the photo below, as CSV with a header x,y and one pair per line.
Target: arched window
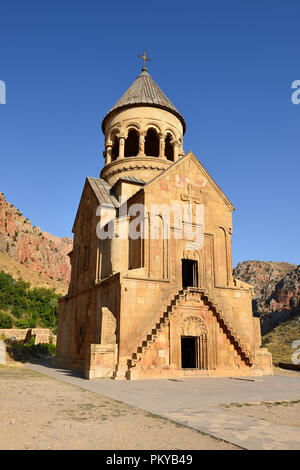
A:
x,y
152,143
132,144
169,149
115,149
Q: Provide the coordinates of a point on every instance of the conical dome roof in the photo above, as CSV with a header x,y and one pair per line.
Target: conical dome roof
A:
x,y
144,92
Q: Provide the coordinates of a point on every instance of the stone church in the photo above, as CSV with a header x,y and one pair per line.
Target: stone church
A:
x,y
154,306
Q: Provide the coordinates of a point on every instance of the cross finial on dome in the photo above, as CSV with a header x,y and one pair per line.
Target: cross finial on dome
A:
x,y
145,59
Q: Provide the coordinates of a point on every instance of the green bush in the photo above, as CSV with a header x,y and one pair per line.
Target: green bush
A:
x,y
38,306
6,320
25,352
23,323
45,348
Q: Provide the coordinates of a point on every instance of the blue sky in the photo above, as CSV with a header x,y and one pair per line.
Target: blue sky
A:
x,y
227,66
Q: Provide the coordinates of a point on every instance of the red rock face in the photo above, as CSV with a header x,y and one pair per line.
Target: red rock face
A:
x,y
38,250
272,283
276,290
287,291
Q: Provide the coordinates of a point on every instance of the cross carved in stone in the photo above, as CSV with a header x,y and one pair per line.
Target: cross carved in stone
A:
x,y
188,197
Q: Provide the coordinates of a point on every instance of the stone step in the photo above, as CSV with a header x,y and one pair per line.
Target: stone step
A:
x,y
119,375
147,343
134,361
136,356
165,319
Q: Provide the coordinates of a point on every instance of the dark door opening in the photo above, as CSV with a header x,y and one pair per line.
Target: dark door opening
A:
x,y
189,352
189,273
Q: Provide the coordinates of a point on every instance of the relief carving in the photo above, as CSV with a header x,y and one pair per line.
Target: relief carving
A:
x,y
108,327
190,254
192,326
193,297
257,332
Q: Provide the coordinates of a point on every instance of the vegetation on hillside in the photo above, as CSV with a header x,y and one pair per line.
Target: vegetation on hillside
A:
x,y
279,341
24,307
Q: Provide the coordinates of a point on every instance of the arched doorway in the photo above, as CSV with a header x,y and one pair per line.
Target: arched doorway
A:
x,y
194,344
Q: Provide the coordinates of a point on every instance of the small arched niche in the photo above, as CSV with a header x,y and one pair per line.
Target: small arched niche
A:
x,y
115,148
132,144
152,143
169,149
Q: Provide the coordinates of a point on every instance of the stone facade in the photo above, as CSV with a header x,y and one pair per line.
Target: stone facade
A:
x,y
155,306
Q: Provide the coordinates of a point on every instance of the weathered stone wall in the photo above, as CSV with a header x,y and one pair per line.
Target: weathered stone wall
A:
x,y
42,335
86,318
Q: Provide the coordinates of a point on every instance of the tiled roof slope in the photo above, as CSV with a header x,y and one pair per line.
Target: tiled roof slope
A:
x,y
144,91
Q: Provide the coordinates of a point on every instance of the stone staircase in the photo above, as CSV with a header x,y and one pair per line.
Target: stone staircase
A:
x,y
241,349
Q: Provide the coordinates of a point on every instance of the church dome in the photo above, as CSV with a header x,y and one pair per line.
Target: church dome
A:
x,y
143,133
144,92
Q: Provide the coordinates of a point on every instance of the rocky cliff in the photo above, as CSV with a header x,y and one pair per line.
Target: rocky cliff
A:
x,y
276,290
38,251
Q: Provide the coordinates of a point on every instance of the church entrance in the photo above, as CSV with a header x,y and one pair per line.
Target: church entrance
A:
x,y
189,273
194,352
189,352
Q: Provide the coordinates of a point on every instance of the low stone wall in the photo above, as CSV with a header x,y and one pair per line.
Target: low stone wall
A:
x,y
41,334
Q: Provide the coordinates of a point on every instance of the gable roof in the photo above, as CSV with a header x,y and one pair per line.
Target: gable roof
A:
x,y
144,91
131,179
102,191
104,194
191,156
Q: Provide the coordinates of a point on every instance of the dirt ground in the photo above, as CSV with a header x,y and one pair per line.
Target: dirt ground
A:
x,y
285,412
277,412
39,412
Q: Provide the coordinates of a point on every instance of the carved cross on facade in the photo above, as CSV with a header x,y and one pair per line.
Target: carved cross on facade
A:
x,y
188,197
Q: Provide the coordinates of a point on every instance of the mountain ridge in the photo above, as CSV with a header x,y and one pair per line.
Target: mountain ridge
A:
x,y
45,256
276,290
